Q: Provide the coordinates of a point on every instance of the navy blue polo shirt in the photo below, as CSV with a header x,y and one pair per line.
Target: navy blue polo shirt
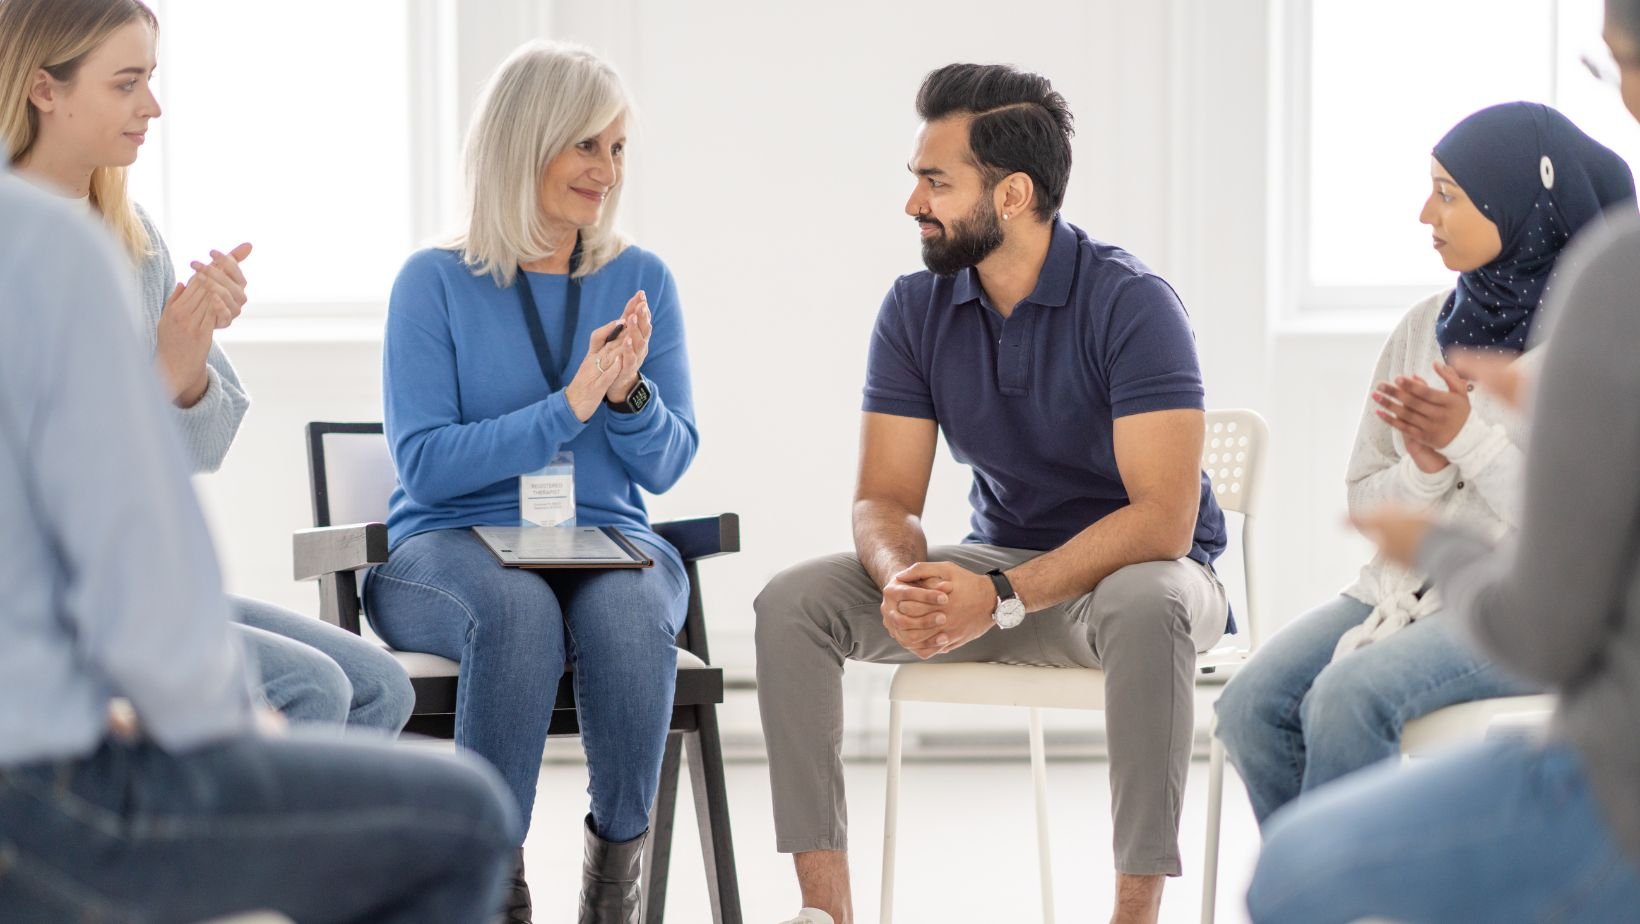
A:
x,y
1028,401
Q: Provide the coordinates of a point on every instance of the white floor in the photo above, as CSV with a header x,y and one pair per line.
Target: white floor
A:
x,y
967,851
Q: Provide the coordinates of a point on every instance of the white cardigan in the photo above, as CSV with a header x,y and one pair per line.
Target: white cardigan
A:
x,y
1479,490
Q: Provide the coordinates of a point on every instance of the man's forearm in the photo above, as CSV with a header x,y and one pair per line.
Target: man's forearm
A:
x,y
887,538
1129,536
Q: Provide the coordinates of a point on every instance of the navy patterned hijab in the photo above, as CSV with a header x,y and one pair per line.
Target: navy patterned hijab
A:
x,y
1540,179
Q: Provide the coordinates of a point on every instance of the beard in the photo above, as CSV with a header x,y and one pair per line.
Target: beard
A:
x,y
965,243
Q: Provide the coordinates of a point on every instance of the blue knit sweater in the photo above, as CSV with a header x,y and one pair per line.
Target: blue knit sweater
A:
x,y
468,410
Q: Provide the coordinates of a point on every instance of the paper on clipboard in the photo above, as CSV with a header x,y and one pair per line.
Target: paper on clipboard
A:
x,y
561,546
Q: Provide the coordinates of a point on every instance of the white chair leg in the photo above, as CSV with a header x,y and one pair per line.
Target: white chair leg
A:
x,y
891,810
1039,776
1215,812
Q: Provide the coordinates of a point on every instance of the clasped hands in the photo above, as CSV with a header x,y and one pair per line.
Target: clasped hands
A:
x,y
194,311
1398,531
935,607
610,369
1428,418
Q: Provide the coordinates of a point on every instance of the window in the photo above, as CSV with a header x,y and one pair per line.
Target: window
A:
x,y
1374,86
293,125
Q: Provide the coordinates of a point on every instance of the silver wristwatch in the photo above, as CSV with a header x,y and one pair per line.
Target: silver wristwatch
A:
x,y
1010,609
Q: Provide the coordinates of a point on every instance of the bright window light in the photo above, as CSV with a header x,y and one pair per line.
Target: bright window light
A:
x,y
288,125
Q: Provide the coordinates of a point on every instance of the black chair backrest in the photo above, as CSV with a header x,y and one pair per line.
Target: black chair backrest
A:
x,y
350,473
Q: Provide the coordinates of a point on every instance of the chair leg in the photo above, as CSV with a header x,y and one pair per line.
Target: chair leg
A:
x,y
891,811
1215,813
704,750
1039,778
657,855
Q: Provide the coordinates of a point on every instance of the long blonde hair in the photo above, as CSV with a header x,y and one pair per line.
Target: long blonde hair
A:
x,y
546,97
55,36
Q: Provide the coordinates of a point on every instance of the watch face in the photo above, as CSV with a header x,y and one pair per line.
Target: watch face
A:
x,y
1010,613
639,397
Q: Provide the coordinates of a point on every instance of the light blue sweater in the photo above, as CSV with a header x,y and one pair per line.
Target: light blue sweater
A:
x,y
111,587
468,410
208,428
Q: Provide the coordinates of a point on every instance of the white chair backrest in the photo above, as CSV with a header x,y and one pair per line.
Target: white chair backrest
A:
x,y
359,477
1233,457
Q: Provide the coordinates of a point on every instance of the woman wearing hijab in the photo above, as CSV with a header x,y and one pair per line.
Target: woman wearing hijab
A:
x,y
1329,695
1517,829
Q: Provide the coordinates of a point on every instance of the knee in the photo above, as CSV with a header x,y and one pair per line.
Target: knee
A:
x,y
1140,602
1343,697
327,692
795,599
1297,865
1244,710
394,694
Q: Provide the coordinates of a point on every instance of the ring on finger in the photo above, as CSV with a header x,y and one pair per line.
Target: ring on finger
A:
x,y
599,362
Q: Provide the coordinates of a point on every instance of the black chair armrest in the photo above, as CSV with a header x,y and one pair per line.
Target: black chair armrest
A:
x,y
705,537
332,549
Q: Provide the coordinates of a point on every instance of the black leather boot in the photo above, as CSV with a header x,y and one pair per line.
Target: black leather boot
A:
x,y
515,895
610,891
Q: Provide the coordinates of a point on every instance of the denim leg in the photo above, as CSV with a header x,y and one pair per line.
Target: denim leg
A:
x,y
297,679
1354,713
320,829
623,626
443,592
382,697
1258,713
1503,831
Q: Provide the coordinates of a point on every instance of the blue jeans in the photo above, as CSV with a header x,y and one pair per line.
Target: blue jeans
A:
x,y
1292,720
314,672
319,829
1504,831
514,631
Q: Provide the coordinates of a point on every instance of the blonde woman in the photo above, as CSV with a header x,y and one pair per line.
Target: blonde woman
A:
x,y
540,335
75,106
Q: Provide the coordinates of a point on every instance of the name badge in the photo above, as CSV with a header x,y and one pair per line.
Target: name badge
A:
x,y
547,497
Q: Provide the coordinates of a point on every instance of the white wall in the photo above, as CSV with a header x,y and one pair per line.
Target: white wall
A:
x,y
768,170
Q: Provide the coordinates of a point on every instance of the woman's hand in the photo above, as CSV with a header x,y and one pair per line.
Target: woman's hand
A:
x,y
598,371
1428,460
209,301
228,280
634,345
1396,531
1423,413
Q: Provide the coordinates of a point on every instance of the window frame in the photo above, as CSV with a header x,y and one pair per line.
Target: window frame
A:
x,y
453,46
1304,303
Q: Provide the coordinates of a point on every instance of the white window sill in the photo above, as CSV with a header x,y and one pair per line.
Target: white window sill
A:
x,y
295,328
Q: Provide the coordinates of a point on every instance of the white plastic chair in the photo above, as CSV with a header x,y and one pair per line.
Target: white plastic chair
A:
x,y
1233,457
1470,723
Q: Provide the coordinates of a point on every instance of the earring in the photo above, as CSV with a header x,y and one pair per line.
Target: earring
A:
x,y
1004,216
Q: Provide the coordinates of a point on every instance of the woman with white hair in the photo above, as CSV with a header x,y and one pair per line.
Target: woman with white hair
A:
x,y
540,338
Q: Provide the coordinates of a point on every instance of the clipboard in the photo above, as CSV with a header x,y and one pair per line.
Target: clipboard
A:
x,y
540,547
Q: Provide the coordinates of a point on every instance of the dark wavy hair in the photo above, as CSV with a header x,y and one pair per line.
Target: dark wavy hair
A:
x,y
1020,124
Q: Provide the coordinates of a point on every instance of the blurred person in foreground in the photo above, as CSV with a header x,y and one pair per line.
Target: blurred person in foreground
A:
x,y
139,780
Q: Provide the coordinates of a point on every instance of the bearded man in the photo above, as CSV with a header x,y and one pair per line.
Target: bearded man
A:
x,y
1063,371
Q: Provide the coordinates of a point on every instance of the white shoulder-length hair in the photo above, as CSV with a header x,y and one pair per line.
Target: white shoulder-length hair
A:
x,y
545,98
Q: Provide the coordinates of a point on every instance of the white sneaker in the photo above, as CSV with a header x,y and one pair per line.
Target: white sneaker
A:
x,y
811,916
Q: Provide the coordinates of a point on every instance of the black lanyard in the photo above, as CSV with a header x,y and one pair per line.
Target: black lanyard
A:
x,y
552,369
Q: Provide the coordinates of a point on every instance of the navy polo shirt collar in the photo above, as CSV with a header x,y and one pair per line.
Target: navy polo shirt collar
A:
x,y
1053,285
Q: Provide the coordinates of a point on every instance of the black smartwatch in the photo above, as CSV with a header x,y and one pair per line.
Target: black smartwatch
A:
x,y
636,399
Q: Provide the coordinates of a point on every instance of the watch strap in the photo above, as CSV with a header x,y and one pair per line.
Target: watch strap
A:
x,y
627,405
1005,589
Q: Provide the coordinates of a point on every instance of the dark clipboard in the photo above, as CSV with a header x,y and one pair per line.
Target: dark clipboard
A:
x,y
511,547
